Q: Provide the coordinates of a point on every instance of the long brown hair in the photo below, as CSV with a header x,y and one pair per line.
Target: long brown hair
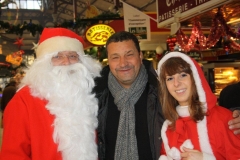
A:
x,y
169,103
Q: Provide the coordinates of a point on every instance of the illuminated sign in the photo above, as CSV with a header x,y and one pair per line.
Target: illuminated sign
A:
x,y
166,9
99,34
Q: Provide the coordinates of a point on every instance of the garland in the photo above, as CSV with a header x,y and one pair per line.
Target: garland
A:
x,y
34,28
219,28
20,28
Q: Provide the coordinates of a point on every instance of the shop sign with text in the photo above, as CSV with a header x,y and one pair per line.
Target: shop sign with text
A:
x,y
137,23
98,34
166,9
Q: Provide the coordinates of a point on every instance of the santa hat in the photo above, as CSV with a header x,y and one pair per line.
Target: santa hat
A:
x,y
59,39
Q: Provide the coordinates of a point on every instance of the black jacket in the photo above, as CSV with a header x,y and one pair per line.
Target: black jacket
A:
x,y
229,97
154,112
8,93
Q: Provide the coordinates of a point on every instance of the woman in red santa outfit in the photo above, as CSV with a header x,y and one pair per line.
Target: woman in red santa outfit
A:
x,y
53,116
196,128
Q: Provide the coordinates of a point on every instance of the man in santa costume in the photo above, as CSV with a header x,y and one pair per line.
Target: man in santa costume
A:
x,y
53,114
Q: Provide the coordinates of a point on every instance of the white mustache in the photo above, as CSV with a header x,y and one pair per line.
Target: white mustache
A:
x,y
64,72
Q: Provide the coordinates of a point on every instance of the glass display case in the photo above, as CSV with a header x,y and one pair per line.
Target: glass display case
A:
x,y
220,74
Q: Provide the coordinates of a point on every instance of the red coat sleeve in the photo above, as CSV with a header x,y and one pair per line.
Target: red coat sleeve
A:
x,y
226,145
16,140
162,151
28,130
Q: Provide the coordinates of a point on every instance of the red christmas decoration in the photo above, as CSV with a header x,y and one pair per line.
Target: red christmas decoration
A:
x,y
171,42
19,42
219,28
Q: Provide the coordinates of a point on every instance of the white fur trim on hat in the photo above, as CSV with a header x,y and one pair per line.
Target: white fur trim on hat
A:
x,y
57,44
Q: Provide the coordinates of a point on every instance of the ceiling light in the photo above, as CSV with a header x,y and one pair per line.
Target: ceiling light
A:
x,y
233,21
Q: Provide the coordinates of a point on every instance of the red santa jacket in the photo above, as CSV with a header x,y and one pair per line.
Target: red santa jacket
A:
x,y
29,127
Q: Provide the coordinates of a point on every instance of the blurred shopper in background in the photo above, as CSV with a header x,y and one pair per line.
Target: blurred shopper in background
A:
x,y
230,97
7,94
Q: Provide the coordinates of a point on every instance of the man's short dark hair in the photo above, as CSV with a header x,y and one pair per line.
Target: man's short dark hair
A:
x,y
123,36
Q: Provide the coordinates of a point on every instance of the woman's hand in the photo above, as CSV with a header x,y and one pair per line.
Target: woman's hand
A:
x,y
191,154
234,124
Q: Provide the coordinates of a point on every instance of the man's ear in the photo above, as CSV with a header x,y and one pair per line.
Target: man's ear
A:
x,y
141,55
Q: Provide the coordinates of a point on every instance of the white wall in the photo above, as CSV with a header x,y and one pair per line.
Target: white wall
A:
x,y
157,39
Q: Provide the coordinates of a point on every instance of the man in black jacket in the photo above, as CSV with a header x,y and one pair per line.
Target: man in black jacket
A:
x,y
130,117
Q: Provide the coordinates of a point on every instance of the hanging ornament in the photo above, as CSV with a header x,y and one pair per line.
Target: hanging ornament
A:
x,y
34,47
177,47
91,10
9,15
226,48
159,50
19,42
171,42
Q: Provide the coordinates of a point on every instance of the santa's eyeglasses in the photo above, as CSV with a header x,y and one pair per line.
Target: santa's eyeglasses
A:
x,y
72,57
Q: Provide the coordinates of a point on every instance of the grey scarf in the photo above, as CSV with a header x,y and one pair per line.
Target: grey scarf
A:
x,y
125,99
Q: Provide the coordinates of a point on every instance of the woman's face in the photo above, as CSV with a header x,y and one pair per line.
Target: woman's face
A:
x,y
179,86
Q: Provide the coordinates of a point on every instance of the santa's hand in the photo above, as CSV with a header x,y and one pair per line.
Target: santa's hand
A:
x,y
191,154
234,124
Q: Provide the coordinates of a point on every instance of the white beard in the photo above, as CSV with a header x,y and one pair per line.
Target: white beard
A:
x,y
68,90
